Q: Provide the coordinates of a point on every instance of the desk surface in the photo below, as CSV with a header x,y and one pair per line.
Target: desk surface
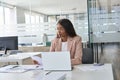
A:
x,y
101,73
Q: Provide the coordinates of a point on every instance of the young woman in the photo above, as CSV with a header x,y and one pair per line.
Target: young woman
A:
x,y
66,40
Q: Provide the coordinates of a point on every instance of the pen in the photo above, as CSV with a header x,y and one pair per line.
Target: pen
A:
x,y
37,66
48,72
13,67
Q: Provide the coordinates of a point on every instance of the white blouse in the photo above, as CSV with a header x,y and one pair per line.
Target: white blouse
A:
x,y
64,46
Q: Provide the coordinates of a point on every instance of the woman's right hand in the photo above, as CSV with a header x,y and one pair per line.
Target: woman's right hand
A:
x,y
35,62
58,35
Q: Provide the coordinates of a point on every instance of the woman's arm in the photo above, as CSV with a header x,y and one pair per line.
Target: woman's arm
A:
x,y
78,53
52,47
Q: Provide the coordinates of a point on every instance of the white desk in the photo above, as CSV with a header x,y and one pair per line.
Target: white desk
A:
x,y
19,57
103,73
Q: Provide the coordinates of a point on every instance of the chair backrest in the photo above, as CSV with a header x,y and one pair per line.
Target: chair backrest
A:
x,y
48,43
87,57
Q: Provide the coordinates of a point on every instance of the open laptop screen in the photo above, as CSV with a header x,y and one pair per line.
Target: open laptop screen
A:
x,y
56,60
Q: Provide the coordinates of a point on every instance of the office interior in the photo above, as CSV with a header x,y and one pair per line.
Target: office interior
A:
x,y
96,21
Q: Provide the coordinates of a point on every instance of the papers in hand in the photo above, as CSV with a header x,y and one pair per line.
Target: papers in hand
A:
x,y
19,68
38,59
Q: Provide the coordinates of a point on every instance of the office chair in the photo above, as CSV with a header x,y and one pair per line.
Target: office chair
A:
x,y
87,57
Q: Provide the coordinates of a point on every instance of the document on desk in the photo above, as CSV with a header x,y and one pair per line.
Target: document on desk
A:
x,y
11,69
90,68
55,76
31,67
19,68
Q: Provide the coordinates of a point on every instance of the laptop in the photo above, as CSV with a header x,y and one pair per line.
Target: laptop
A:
x,y
56,61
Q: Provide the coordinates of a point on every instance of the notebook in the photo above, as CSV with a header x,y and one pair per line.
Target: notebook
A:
x,y
56,60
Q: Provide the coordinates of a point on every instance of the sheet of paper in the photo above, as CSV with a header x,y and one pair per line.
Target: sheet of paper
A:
x,y
55,76
31,67
90,68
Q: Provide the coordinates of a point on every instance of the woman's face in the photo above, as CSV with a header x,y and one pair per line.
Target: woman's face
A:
x,y
61,31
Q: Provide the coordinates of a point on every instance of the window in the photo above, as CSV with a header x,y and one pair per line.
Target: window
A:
x,y
27,18
1,16
7,15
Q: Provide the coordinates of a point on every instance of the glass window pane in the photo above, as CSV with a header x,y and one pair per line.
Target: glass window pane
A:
x,y
37,19
1,16
7,15
27,18
33,19
41,18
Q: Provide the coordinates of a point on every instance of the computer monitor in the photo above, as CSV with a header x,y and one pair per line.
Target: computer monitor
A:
x,y
9,43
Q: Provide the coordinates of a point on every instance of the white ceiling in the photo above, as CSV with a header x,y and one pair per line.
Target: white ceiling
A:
x,y
59,6
51,6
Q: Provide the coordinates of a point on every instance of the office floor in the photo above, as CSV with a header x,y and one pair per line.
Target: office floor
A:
x,y
111,54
